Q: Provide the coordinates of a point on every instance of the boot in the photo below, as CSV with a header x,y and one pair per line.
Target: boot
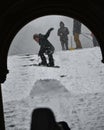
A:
x,y
43,63
50,65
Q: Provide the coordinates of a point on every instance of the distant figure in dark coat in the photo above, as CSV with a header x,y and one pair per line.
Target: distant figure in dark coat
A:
x,y
76,33
63,125
43,119
95,42
45,48
63,34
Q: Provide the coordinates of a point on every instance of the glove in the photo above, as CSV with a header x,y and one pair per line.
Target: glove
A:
x,y
51,29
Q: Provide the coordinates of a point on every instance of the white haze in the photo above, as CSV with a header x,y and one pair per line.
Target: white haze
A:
x,y
23,42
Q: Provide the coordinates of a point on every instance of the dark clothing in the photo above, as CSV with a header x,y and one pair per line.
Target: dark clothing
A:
x,y
44,43
95,42
46,48
44,61
63,34
64,45
76,27
76,33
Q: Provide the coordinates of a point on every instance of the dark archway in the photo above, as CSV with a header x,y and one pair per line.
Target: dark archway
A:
x,y
15,14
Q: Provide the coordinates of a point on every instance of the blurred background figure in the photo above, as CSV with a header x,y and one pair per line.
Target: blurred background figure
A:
x,y
43,119
76,33
95,42
63,125
63,34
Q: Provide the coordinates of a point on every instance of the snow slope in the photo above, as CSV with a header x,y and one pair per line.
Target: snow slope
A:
x,y
75,91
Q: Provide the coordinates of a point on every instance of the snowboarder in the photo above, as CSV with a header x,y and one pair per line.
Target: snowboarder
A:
x,y
76,33
63,34
45,48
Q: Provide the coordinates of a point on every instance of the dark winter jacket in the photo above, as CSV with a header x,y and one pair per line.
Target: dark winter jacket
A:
x,y
45,45
76,27
63,33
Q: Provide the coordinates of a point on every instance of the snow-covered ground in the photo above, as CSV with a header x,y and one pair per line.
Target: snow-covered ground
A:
x,y
75,91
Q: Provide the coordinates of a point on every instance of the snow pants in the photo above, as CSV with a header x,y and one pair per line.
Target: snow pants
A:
x,y
64,45
77,41
50,57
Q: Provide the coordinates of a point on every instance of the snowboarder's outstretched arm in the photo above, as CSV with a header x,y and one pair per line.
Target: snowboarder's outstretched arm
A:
x,y
48,32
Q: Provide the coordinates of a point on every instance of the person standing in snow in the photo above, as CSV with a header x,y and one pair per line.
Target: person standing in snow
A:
x,y
76,33
95,42
63,34
45,48
43,119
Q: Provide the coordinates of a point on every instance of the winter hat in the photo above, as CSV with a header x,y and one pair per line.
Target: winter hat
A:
x,y
61,23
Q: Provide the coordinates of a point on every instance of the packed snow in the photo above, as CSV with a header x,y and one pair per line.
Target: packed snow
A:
x,y
75,91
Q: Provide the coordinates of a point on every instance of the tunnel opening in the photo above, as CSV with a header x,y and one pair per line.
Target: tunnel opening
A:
x,y
11,23
33,79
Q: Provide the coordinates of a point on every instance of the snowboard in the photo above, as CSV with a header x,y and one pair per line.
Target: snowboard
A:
x,y
56,66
